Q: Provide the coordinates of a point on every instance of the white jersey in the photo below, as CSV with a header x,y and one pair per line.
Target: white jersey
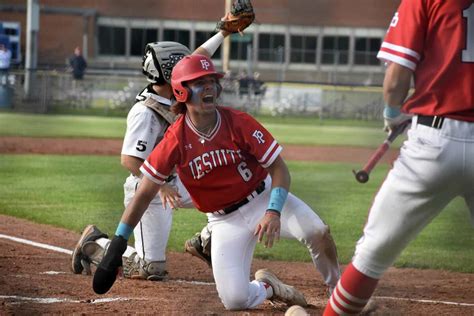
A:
x,y
144,128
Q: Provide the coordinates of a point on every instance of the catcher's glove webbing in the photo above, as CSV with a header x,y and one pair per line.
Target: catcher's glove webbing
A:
x,y
238,19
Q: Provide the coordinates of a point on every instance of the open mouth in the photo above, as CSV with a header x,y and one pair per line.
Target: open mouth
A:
x,y
208,98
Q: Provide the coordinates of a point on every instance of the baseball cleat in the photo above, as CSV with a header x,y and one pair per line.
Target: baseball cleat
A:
x,y
296,310
79,261
194,247
281,291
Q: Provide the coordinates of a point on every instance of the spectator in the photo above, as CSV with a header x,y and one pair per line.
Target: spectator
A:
x,y
5,60
5,57
78,64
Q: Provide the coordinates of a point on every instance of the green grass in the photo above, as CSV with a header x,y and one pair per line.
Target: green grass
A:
x,y
38,125
72,191
290,130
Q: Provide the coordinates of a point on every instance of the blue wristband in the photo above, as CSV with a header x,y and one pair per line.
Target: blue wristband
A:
x,y
277,199
124,230
390,112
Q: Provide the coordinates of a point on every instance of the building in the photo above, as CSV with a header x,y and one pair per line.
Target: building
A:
x,y
302,40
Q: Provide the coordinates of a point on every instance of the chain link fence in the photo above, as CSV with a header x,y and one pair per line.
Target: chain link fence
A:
x,y
51,91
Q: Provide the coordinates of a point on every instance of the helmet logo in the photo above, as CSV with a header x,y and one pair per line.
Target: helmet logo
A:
x,y
205,64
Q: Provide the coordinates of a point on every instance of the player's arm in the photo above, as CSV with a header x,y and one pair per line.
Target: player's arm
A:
x,y
143,196
279,173
211,45
396,85
270,224
108,268
132,164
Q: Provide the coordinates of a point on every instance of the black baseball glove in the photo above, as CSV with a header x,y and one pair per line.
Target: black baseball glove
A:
x,y
108,268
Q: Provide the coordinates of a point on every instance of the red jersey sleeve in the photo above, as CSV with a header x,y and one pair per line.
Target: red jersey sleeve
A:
x,y
404,41
260,143
160,164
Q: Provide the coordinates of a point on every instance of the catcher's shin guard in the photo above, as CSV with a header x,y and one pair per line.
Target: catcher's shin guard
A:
x,y
195,247
137,268
81,261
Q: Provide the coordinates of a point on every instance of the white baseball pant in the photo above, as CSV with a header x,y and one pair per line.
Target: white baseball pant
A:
x,y
233,245
434,167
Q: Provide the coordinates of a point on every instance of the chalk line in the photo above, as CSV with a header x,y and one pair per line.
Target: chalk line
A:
x,y
52,300
37,244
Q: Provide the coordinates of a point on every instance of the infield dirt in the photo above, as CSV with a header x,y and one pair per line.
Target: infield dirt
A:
x,y
39,281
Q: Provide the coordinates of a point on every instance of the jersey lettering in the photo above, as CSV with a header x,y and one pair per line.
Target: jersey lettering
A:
x,y
259,136
245,172
468,53
205,163
141,145
394,21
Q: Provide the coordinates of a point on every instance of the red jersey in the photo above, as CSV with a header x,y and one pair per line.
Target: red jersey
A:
x,y
219,169
435,39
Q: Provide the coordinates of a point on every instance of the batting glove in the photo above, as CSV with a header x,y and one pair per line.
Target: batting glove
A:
x,y
109,267
393,117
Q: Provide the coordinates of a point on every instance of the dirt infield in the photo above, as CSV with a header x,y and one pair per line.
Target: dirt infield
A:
x,y
38,281
35,280
62,146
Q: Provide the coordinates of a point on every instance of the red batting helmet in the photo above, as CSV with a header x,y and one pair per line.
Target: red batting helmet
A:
x,y
189,68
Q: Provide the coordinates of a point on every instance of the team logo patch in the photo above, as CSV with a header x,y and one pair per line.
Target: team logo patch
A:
x,y
394,21
205,64
259,136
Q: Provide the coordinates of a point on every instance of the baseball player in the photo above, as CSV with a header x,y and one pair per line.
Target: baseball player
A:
x,y
433,42
232,168
147,122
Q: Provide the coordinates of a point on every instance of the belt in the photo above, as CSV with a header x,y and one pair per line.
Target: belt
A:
x,y
260,188
431,121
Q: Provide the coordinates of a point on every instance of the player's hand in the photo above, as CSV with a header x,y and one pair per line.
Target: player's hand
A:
x,y
110,266
269,226
393,117
169,196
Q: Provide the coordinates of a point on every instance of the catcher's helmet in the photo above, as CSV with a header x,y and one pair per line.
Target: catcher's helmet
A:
x,y
190,68
159,60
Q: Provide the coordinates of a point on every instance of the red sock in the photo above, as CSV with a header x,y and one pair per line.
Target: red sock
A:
x,y
351,294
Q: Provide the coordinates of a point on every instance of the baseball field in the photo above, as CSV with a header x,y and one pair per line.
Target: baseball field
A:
x,y
60,173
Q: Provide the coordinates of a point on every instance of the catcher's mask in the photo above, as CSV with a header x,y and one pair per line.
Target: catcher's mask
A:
x,y
189,68
159,60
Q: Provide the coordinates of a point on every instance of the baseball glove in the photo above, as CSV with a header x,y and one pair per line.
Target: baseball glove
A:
x,y
238,19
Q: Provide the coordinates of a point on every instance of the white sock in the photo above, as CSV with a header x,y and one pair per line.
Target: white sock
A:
x,y
104,244
269,290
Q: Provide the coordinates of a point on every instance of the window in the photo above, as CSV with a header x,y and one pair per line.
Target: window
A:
x,y
366,49
13,31
179,36
111,40
141,37
271,47
202,37
239,46
335,50
303,49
